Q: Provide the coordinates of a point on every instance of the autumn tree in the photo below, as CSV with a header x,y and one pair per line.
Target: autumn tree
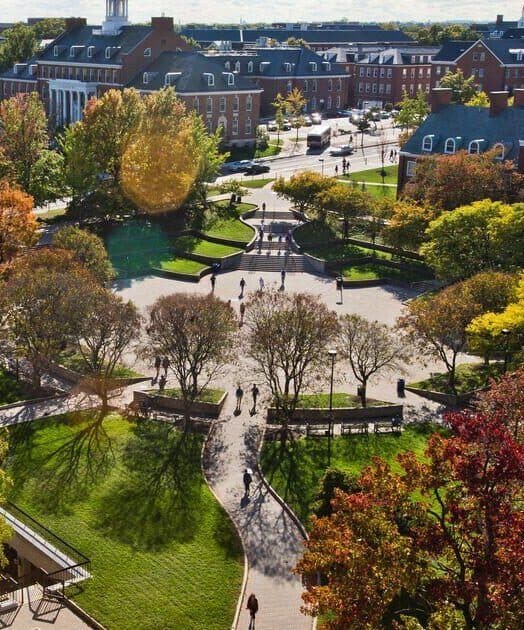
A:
x,y
483,235
302,189
463,88
88,249
371,347
17,221
42,303
505,399
479,99
196,334
279,105
407,225
288,336
441,539
294,106
449,181
344,201
110,327
412,110
23,134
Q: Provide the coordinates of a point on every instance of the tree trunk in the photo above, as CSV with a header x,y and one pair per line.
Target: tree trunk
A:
x,y
363,389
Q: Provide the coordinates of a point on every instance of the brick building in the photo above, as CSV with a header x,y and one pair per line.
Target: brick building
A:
x,y
451,128
279,70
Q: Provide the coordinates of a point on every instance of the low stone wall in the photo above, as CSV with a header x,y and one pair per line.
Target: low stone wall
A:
x,y
448,400
227,262
340,414
175,404
317,264
184,277
71,376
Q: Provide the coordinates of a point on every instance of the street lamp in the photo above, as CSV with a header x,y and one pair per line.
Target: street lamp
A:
x,y
506,334
321,160
332,355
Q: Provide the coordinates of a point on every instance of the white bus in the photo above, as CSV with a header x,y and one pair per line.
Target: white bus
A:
x,y
319,138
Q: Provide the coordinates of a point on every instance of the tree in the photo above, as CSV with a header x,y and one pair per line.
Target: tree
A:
x,y
412,110
479,99
449,181
88,249
17,222
302,189
48,28
370,347
363,125
80,169
110,327
298,42
333,479
505,399
288,336
43,305
463,89
406,228
441,539
279,105
19,44
484,235
294,106
46,179
196,334
345,201
23,133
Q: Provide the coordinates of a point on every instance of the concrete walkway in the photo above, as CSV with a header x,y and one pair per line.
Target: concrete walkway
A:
x,y
272,541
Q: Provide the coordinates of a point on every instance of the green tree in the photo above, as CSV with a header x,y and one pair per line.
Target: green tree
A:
x,y
302,189
87,249
48,28
412,110
80,170
46,179
23,133
294,105
279,105
345,201
19,45
407,225
479,99
363,125
463,89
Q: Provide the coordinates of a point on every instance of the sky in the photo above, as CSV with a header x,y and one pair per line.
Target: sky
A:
x,y
264,11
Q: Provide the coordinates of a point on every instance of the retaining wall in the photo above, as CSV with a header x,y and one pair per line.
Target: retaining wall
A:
x,y
340,414
71,376
176,404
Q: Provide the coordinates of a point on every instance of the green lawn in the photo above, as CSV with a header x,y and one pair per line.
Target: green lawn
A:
x,y
250,153
201,247
238,209
12,390
373,271
207,395
182,265
469,376
321,401
132,498
373,175
341,251
257,183
295,472
74,361
230,228
315,232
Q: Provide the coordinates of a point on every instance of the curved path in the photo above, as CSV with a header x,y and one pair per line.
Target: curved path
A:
x,y
271,539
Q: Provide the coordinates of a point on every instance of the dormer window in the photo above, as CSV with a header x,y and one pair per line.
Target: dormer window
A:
x,y
287,66
427,143
72,51
250,66
474,147
450,146
171,78
108,52
145,78
90,51
327,65
147,52
55,51
500,151
313,66
237,66
210,78
227,65
230,78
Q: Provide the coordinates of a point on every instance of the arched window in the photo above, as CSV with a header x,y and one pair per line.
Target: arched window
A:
x,y
427,143
450,146
237,66
249,103
474,147
227,65
250,66
500,150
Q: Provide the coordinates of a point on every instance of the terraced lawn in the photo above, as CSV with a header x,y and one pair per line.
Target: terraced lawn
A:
x,y
232,229
374,271
133,499
342,251
207,395
182,265
469,376
12,390
340,400
295,471
201,247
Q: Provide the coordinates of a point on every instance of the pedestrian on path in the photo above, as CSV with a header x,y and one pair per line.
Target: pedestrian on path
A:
x,y
165,365
247,480
158,363
242,313
252,606
239,394
336,170
254,393
162,382
261,283
242,287
283,276
263,210
213,282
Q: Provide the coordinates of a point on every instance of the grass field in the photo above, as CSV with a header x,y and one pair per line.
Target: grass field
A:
x,y
374,271
321,401
132,498
201,247
468,376
341,251
257,183
295,473
12,390
182,265
207,395
230,228
238,209
74,361
373,175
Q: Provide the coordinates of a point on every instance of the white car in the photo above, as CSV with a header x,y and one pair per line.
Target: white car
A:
x,y
345,149
316,118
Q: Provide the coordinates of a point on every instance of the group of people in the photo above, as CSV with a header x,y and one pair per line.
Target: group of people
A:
x,y
160,378
240,395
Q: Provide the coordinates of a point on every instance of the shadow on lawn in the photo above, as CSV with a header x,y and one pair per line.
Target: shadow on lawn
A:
x,y
158,498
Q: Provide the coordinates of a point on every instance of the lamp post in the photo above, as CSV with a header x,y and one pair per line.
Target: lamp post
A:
x,y
506,334
333,355
321,160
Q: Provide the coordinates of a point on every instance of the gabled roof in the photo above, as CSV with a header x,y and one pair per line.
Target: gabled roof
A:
x,y
190,68
503,49
452,49
85,36
23,73
399,56
470,123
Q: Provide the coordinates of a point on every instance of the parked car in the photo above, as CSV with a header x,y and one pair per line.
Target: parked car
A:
x,y
345,149
256,168
307,121
384,114
316,118
286,125
239,166
272,125
344,113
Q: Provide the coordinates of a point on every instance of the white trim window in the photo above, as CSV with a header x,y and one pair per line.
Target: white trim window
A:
x,y
501,151
474,147
234,127
90,51
314,86
55,51
196,104
250,66
222,104
450,146
248,126
237,66
145,78
236,103
227,65
209,105
410,168
306,85
427,144
249,103
108,52
330,85
147,52
329,102
338,102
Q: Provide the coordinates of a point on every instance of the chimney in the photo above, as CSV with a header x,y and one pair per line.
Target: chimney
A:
x,y
74,22
498,102
520,163
500,19
162,24
518,97
440,97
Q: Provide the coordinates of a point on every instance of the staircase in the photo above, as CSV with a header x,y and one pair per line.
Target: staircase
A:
x,y
265,262
275,215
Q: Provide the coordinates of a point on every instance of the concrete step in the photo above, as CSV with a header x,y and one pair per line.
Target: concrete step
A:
x,y
275,215
274,245
263,262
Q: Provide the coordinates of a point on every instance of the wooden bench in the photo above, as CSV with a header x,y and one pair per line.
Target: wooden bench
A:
x,y
8,605
348,428
388,426
318,430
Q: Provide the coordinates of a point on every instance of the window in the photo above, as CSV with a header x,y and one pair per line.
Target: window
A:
x,y
313,103
231,79
382,72
314,86
234,127
209,105
338,102
381,88
250,66
421,72
339,85
210,79
330,85
475,56
410,168
72,51
99,75
248,126
368,72
289,86
329,102
196,104
92,75
236,103
390,73
412,73
482,56
287,66
108,75
108,52
500,151
428,72
313,65
360,87
427,143
374,88
473,72
450,146
438,69
375,72
222,104
474,147
368,87
413,59
361,72
145,78
481,73
147,52
305,88
237,66
404,72
227,65
209,124
55,51
249,103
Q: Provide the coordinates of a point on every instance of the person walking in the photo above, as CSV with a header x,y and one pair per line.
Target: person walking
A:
x,y
239,394
162,383
158,363
261,283
254,393
242,287
242,313
263,210
336,170
165,365
213,283
247,480
252,606
283,276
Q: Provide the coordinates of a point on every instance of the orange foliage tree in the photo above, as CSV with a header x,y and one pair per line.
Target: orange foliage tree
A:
x,y
17,221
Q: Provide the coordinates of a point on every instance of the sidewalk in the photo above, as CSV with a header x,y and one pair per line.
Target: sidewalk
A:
x,y
272,541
